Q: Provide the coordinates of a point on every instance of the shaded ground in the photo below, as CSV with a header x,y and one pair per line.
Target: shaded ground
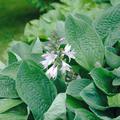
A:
x,y
14,14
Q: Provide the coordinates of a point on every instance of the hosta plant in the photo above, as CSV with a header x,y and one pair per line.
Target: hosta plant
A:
x,y
72,78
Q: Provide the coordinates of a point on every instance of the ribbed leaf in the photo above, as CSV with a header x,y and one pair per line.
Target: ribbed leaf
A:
x,y
108,21
85,41
94,97
35,89
103,80
7,87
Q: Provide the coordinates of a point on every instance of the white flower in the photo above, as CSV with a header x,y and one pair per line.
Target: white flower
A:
x,y
65,67
52,72
70,53
49,59
61,40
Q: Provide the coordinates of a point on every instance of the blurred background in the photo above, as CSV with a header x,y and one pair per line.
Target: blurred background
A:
x,y
13,17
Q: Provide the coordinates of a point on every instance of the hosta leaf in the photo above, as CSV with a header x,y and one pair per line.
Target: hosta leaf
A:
x,y
103,80
84,40
73,104
58,108
75,87
83,114
6,104
116,72
104,115
108,21
115,2
28,52
116,82
11,58
22,49
94,97
35,89
115,61
11,70
7,87
114,101
16,113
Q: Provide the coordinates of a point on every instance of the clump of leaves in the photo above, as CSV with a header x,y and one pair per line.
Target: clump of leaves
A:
x,y
45,26
28,94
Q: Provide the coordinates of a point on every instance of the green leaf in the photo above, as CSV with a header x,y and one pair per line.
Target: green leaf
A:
x,y
103,80
116,82
115,61
114,101
6,104
11,58
58,108
73,104
11,70
84,40
103,115
83,114
35,89
7,87
115,2
108,21
16,113
75,87
28,52
94,97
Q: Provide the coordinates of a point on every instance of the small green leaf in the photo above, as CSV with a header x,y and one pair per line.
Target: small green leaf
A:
x,y
7,87
114,101
11,58
116,82
35,89
115,61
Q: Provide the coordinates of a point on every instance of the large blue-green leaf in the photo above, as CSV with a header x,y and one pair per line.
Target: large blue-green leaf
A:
x,y
58,108
94,97
35,89
108,21
75,87
85,41
103,80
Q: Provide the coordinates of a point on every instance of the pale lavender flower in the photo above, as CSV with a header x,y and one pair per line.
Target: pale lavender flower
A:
x,y
49,58
70,53
65,67
52,72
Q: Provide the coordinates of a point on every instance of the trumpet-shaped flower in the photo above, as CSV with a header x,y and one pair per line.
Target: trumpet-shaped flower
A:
x,y
65,67
70,53
52,72
49,59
